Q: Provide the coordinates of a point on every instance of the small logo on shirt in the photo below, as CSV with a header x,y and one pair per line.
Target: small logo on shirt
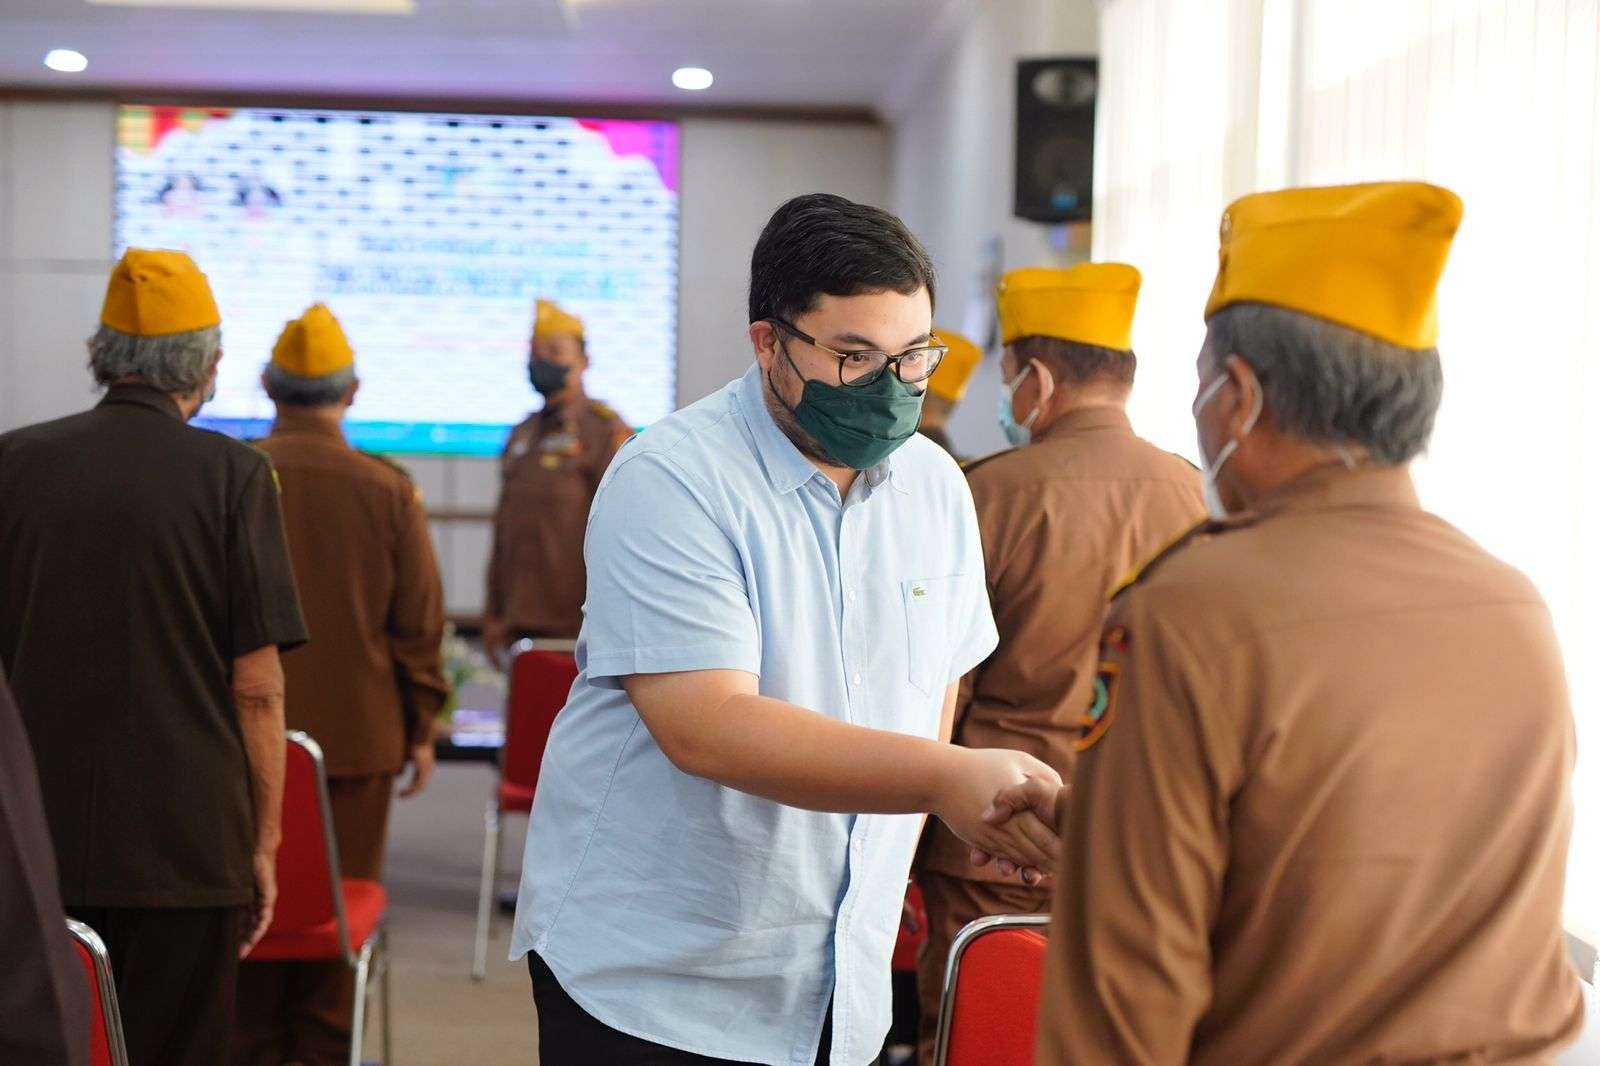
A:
x,y
918,591
1094,723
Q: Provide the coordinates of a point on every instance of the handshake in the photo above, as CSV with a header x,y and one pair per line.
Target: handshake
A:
x,y
1004,805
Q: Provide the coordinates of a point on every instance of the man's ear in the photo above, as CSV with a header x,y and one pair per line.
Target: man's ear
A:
x,y
1047,382
764,340
350,393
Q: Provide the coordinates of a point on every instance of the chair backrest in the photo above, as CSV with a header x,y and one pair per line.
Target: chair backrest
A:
x,y
106,1046
541,679
913,932
309,893
990,1009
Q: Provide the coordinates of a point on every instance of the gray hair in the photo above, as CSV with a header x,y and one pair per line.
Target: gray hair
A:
x,y
176,362
1329,384
294,390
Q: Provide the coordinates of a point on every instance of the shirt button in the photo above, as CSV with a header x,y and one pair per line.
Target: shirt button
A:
x,y
856,680
851,595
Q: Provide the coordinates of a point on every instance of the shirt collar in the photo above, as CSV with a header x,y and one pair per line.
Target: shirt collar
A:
x,y
785,467
290,420
1335,486
142,396
1080,419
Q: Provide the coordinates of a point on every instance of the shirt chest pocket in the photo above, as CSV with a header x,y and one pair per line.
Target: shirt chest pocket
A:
x,y
930,604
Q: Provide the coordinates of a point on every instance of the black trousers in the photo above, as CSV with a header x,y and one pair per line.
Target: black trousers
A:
x,y
175,971
570,1036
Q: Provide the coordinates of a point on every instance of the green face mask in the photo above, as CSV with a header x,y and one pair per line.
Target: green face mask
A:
x,y
859,426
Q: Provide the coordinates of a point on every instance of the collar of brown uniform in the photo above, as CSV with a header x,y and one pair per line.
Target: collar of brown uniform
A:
x,y
1335,485
291,421
142,396
1102,416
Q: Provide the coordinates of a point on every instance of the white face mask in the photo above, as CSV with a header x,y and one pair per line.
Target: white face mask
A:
x,y
1212,467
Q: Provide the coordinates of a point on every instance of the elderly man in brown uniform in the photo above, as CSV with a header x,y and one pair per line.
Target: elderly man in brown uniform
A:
x,y
147,593
369,684
1064,516
552,465
1322,814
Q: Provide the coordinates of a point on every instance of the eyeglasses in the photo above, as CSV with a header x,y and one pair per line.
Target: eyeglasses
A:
x,y
864,367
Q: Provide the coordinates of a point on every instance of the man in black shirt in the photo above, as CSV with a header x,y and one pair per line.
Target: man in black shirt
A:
x,y
147,592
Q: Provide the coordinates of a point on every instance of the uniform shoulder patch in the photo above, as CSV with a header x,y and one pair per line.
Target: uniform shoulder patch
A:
x,y
1097,719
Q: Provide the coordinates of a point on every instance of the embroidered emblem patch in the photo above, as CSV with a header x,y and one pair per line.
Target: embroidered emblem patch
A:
x,y
1097,720
1114,639
918,591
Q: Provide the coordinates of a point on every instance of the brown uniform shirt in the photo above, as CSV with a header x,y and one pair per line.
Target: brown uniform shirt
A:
x,y
1324,812
370,682
1064,520
44,1003
549,474
139,557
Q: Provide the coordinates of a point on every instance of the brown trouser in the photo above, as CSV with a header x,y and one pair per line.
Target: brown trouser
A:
x,y
952,903
301,1011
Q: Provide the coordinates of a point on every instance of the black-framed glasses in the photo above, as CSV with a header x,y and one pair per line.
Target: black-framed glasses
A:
x,y
912,366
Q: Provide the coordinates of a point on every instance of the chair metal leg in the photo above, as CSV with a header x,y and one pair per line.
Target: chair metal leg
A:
x,y
383,991
358,1019
486,889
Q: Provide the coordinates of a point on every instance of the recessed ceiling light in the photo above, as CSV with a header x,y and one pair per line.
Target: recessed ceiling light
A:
x,y
692,79
66,61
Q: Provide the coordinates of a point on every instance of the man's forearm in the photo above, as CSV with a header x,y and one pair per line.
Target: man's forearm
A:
x,y
799,758
261,722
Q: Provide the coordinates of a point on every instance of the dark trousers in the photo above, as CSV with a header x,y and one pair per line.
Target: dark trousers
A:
x,y
175,970
301,1011
570,1036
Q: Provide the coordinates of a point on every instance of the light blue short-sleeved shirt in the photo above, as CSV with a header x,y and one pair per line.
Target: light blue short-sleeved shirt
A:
x,y
697,916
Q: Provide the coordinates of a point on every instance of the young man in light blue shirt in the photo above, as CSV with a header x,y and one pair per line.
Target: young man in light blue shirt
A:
x,y
785,585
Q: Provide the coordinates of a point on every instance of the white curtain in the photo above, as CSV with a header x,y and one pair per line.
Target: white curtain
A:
x,y
1204,100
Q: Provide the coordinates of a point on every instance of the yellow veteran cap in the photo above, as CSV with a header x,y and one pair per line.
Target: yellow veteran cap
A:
x,y
1091,303
154,293
551,321
1367,257
313,345
949,380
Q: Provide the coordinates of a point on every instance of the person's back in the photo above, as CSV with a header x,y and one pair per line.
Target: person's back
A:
x,y
1075,513
116,552
1398,909
353,522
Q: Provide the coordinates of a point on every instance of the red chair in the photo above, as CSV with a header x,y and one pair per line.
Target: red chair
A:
x,y
321,916
913,932
990,1008
106,1045
542,673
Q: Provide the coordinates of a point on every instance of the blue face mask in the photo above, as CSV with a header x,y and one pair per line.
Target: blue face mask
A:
x,y
1018,433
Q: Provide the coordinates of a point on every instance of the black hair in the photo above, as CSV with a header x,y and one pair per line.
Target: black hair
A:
x,y
824,244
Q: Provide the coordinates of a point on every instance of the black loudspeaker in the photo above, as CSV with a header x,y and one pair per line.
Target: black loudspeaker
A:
x,y
1055,139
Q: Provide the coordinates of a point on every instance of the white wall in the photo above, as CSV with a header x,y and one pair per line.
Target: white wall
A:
x,y
952,155
56,162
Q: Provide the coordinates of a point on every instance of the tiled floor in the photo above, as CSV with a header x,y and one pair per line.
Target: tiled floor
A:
x,y
441,1018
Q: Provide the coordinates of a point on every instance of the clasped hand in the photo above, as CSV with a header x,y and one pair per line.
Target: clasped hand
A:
x,y
1002,803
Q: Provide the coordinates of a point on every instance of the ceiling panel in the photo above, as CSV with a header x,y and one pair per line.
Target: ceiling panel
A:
x,y
764,53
